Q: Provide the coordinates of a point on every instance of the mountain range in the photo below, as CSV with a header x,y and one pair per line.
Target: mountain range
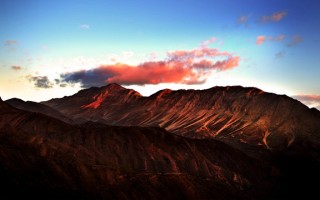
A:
x,y
113,143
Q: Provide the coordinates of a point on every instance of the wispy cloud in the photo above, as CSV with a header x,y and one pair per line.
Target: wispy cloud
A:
x,y
182,66
208,42
280,54
40,81
309,100
296,39
85,26
11,44
275,17
16,68
261,38
243,20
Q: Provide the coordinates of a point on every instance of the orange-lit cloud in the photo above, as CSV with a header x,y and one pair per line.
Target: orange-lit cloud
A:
x,y
261,38
183,66
275,17
16,68
309,100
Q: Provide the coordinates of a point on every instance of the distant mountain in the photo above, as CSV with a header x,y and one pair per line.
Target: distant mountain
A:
x,y
241,117
38,108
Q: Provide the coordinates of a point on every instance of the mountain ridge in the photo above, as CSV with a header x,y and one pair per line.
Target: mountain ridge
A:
x,y
243,115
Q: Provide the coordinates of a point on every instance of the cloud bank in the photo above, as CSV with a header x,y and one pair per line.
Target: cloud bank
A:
x,y
182,66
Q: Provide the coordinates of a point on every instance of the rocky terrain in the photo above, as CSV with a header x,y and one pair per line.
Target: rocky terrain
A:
x,y
113,143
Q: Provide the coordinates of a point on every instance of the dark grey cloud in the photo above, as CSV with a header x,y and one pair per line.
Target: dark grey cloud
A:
x,y
88,78
40,81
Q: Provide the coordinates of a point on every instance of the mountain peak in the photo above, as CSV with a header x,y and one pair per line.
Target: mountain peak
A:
x,y
114,86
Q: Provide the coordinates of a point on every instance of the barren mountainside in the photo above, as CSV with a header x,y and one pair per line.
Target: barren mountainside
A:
x,y
113,143
236,115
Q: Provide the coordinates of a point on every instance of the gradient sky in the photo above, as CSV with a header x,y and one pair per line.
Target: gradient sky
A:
x,y
54,48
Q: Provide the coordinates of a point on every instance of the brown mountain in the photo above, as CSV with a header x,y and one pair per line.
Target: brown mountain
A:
x,y
246,118
43,157
220,143
38,108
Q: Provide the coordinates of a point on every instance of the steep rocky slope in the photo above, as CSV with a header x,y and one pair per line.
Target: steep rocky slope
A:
x,y
245,118
43,157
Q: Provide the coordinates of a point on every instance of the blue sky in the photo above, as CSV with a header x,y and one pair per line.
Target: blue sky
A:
x,y
270,44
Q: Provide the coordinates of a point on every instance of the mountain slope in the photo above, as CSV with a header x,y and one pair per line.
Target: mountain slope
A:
x,y
38,108
241,117
43,157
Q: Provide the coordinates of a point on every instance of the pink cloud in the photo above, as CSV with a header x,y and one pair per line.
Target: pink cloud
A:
x,y
260,39
275,17
208,42
182,66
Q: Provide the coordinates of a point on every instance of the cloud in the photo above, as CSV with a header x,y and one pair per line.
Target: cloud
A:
x,y
16,68
280,54
40,81
11,44
296,39
183,66
261,38
243,20
275,17
85,26
309,100
208,42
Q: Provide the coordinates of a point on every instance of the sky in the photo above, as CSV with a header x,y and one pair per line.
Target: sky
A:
x,y
51,49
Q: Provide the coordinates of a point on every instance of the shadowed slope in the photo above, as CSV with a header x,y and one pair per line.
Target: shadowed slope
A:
x,y
43,157
38,108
